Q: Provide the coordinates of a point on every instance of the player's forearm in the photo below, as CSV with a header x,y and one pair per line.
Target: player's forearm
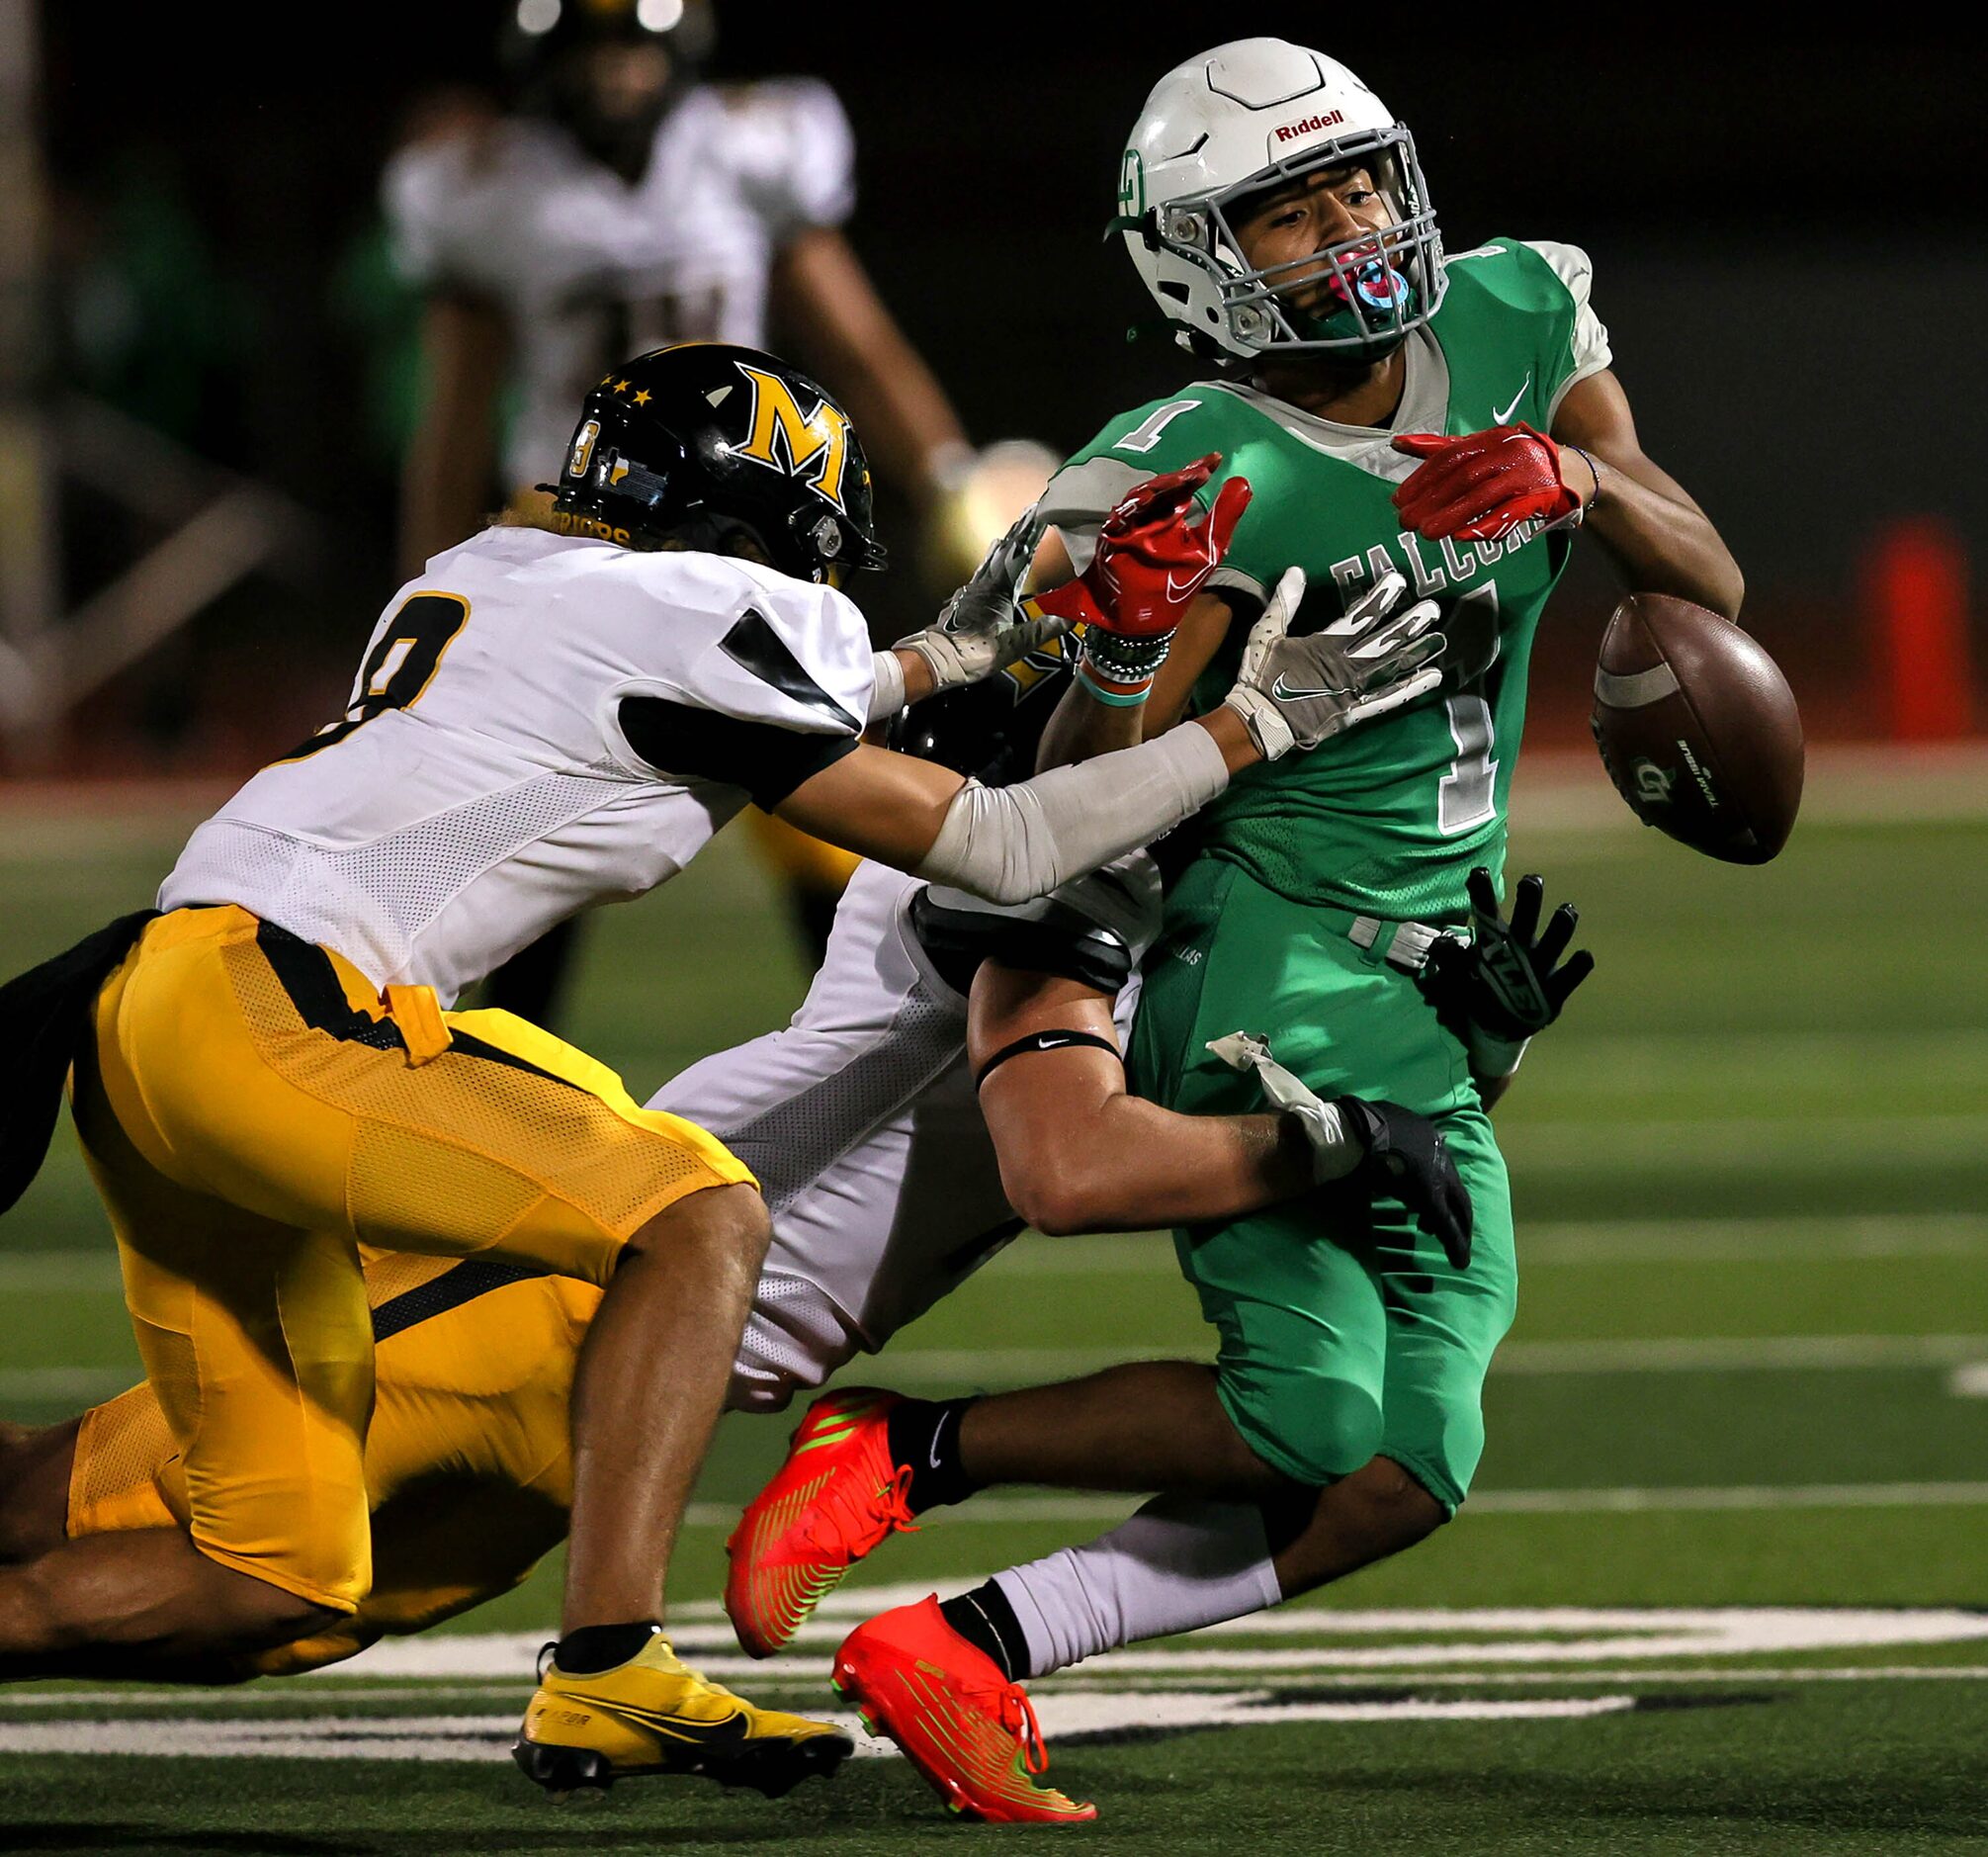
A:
x,y
1011,844
1082,728
1661,542
1133,1166
901,677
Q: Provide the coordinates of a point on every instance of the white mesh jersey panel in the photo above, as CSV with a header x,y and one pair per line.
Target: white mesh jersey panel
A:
x,y
793,1339
429,842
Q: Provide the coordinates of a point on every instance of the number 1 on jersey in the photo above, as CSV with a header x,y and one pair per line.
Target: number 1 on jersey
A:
x,y
1466,795
399,667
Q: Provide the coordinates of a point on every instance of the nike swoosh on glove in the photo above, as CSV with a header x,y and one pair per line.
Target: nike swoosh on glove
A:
x,y
1298,692
1481,486
1152,557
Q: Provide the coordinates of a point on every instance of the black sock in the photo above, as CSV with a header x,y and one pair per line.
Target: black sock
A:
x,y
985,1620
925,1434
597,1647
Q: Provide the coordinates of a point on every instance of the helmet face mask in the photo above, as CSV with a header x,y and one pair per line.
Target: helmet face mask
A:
x,y
725,450
1211,143
1381,279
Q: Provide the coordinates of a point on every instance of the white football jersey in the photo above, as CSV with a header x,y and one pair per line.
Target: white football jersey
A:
x,y
484,784
861,1120
590,269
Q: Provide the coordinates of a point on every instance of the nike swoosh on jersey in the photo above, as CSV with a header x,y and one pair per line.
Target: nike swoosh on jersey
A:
x,y
1501,419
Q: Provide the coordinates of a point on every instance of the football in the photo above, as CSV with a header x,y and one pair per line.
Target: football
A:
x,y
1697,729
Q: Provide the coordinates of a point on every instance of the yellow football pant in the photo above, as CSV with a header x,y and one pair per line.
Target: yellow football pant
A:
x,y
467,1467
252,1112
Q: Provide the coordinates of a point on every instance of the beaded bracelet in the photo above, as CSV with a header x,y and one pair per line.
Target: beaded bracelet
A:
x,y
1588,458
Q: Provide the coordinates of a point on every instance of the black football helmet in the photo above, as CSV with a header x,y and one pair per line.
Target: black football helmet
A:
x,y
547,48
700,442
990,729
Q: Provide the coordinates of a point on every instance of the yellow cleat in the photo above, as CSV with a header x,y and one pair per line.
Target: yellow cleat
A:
x,y
657,1714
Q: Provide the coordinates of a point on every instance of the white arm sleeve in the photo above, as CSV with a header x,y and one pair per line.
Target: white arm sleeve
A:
x,y
1011,844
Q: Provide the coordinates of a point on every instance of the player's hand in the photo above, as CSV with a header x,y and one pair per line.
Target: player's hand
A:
x,y
1481,486
1152,557
1407,1156
1297,692
1508,983
982,628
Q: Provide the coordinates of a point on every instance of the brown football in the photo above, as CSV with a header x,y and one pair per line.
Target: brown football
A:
x,y
1698,729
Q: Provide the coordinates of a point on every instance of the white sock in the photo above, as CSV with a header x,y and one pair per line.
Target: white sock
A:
x,y
1178,1565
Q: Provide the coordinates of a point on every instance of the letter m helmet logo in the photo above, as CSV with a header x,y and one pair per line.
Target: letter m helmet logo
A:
x,y
812,446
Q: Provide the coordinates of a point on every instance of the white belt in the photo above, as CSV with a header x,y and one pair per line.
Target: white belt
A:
x,y
1408,945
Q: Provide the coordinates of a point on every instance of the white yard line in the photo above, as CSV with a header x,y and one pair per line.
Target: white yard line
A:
x,y
1659,1353
1801,1235
1470,1638
1067,1717
1607,1144
978,1366
1729,1496
1096,1677
1797,1235
1700,1354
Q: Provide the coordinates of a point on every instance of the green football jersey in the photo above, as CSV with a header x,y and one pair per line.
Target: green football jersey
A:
x,y
1387,819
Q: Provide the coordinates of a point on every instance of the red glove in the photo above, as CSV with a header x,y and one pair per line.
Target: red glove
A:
x,y
1482,486
1149,560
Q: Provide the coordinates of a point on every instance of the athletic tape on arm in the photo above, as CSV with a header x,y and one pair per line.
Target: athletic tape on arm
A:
x,y
886,695
1010,844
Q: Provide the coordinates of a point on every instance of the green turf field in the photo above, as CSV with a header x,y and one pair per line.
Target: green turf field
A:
x,y
1712,1593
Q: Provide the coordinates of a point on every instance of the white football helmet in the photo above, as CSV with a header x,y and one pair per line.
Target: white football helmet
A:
x,y
1251,114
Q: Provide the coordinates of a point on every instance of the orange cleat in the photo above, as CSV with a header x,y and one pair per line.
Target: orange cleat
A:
x,y
955,1716
840,1494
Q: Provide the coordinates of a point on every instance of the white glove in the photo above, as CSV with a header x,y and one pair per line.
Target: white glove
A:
x,y
1298,692
981,630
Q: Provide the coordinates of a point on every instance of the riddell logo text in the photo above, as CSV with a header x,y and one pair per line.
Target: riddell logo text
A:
x,y
1310,123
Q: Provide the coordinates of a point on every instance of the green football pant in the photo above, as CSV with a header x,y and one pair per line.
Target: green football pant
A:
x,y
1345,1332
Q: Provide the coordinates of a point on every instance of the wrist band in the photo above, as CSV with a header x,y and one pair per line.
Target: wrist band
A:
x,y
1595,470
1118,699
1058,1040
1125,661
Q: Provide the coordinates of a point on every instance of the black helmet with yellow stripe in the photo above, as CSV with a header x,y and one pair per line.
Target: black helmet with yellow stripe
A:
x,y
703,444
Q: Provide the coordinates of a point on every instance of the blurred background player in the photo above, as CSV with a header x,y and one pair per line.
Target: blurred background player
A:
x,y
626,203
